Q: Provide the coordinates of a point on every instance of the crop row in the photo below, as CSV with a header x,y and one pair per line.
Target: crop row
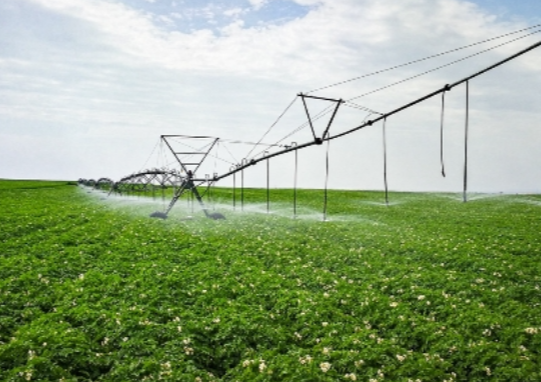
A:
x,y
426,289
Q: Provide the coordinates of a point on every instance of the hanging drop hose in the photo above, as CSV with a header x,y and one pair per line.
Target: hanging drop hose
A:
x,y
268,186
466,128
234,191
295,181
326,181
385,161
441,133
244,162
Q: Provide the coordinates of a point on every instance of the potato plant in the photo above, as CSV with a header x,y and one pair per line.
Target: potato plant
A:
x,y
426,289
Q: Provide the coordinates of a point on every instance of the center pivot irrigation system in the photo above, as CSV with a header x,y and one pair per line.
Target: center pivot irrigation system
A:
x,y
186,180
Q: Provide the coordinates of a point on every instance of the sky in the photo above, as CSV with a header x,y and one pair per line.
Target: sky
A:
x,y
88,87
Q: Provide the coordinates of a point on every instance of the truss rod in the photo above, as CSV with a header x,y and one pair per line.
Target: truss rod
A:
x,y
444,89
448,87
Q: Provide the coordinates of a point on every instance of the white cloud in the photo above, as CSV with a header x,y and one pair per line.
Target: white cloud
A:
x,y
258,4
130,74
309,47
234,12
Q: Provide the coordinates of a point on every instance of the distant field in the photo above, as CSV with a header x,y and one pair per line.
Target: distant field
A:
x,y
427,288
6,184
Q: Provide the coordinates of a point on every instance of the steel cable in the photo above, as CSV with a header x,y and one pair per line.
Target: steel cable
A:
x,y
272,126
329,108
442,66
421,59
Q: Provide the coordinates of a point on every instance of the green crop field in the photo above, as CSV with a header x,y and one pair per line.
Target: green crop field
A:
x,y
425,289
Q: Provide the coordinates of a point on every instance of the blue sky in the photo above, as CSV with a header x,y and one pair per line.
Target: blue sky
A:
x,y
87,87
525,9
190,15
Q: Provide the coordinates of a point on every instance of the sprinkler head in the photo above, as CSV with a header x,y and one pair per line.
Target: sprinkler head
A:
x,y
159,215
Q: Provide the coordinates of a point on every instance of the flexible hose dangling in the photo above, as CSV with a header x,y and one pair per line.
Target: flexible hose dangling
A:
x,y
234,191
441,133
385,162
467,122
295,182
326,181
268,184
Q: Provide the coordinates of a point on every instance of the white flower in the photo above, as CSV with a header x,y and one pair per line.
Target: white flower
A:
x,y
531,330
351,376
393,304
325,366
216,320
262,367
421,297
401,358
326,351
324,324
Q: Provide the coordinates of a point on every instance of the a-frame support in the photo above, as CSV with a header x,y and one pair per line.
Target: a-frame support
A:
x,y
194,164
189,168
338,102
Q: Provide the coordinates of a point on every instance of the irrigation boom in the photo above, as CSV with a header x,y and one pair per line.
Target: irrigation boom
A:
x,y
319,141
188,181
